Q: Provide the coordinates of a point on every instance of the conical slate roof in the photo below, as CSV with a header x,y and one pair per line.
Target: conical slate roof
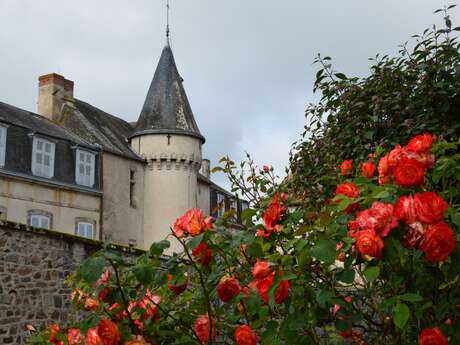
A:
x,y
166,108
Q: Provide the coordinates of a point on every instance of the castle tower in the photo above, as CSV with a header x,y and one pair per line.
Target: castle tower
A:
x,y
167,136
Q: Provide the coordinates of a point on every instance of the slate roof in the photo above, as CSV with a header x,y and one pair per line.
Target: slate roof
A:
x,y
38,124
98,127
166,108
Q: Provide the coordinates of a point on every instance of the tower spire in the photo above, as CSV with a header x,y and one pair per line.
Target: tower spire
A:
x,y
167,22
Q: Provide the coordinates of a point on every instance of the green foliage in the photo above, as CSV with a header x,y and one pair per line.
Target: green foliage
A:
x,y
415,92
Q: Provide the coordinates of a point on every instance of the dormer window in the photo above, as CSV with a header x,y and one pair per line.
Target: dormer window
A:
x,y
43,157
85,168
2,145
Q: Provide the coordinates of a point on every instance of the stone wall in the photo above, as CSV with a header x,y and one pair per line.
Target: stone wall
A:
x,y
33,266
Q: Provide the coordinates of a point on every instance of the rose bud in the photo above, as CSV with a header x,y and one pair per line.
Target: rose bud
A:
x,y
346,168
202,328
228,288
368,169
261,269
91,304
244,335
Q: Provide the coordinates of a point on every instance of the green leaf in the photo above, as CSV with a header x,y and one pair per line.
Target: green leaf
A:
x,y
401,315
325,251
411,297
92,268
144,273
324,297
347,276
341,76
372,273
456,218
157,248
195,241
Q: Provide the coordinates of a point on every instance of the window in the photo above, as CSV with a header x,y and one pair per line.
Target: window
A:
x,y
2,145
3,212
86,229
234,207
84,168
40,219
132,185
43,157
220,205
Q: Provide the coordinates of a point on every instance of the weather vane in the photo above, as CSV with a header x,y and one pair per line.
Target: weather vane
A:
x,y
167,22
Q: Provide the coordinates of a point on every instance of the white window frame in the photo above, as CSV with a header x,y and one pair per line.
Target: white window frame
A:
x,y
85,170
40,219
3,134
220,205
43,150
86,229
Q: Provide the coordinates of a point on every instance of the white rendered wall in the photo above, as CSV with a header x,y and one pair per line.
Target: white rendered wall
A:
x,y
170,182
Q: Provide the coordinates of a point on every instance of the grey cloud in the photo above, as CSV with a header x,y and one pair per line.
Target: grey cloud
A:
x,y
246,63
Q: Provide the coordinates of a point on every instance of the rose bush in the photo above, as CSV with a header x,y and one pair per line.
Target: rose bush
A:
x,y
376,264
359,245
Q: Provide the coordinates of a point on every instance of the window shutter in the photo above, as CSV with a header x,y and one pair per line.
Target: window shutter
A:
x,y
43,157
3,132
84,168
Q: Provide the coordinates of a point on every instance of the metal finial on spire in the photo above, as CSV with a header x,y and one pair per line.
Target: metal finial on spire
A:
x,y
167,22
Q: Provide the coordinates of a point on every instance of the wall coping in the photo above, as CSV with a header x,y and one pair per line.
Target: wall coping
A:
x,y
69,237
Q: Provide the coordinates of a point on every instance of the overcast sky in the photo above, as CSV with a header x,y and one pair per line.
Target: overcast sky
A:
x,y
247,64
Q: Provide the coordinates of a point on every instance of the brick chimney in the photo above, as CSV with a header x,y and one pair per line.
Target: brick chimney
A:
x,y
53,90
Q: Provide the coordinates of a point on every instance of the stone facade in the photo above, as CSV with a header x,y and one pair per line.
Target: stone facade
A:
x,y
33,266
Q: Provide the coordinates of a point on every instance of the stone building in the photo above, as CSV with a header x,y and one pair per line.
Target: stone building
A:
x,y
76,169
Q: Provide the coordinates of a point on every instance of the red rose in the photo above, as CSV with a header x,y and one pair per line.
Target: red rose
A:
x,y
380,217
92,338
192,223
202,328
266,168
405,209
177,289
413,235
409,172
281,293
438,242
350,190
202,253
103,293
228,288
368,169
244,335
53,330
346,168
117,311
108,331
261,269
368,244
149,304
395,156
74,336
273,214
384,170
430,207
433,336
421,143
91,304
